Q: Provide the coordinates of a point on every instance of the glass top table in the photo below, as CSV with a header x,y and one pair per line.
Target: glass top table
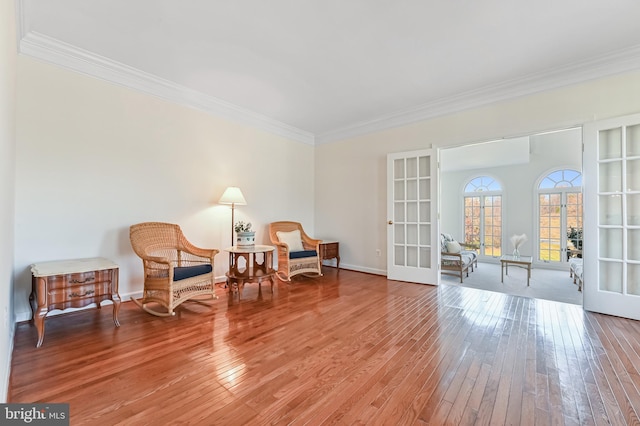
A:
x,y
517,261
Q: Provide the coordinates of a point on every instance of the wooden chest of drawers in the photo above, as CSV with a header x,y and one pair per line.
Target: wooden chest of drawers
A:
x,y
72,284
330,250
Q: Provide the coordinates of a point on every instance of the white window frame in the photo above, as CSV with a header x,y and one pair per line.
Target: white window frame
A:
x,y
482,194
563,191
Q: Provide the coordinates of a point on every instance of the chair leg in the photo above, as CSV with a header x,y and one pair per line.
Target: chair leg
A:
x,y
282,276
144,307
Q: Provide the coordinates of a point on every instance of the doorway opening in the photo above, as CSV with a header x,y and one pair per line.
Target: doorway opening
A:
x,y
536,191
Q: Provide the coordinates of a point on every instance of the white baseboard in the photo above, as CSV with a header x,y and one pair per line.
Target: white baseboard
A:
x,y
363,269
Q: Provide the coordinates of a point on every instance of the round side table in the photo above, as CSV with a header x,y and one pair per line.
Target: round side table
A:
x,y
257,266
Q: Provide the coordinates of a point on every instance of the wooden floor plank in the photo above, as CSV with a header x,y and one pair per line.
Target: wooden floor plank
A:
x,y
346,348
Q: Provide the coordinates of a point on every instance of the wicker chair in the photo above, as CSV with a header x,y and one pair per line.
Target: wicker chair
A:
x,y
298,253
174,269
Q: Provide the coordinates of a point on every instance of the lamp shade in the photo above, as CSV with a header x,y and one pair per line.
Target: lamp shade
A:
x,y
232,195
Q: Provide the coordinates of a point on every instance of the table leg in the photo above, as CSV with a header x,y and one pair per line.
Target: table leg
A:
x,y
115,296
116,308
240,287
41,310
39,321
33,304
528,274
501,272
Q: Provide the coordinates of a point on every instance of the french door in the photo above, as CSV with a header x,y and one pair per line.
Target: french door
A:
x,y
483,223
412,242
612,217
560,225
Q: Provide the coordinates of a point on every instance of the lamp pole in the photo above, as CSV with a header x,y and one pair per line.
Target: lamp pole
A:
x,y
233,209
232,195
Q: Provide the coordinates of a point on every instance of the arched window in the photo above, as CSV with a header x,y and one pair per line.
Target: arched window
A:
x,y
560,216
483,215
561,179
482,184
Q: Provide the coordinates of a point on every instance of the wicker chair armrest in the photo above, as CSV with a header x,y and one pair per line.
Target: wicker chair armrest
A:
x,y
158,267
156,259
191,249
281,247
310,243
201,252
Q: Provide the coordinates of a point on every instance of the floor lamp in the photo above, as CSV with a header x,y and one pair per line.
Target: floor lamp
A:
x,y
232,195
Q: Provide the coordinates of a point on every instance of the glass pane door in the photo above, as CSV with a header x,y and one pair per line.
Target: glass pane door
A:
x,y
483,223
550,227
493,225
411,204
472,221
574,224
560,226
612,217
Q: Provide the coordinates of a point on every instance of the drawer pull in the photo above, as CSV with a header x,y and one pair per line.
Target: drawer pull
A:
x,y
88,293
83,281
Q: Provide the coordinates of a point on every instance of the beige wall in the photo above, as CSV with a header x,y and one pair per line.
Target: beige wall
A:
x,y
7,183
350,175
93,158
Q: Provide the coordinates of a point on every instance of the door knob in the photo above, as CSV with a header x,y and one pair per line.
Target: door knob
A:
x,y
390,222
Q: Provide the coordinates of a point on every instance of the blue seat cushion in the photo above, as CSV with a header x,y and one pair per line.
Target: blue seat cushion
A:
x,y
301,254
184,272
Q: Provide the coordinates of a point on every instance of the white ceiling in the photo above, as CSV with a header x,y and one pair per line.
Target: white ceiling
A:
x,y
319,70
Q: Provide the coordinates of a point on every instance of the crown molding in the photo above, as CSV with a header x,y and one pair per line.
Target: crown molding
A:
x,y
71,57
617,62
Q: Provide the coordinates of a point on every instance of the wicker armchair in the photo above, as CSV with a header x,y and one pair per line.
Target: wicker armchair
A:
x,y
298,253
174,269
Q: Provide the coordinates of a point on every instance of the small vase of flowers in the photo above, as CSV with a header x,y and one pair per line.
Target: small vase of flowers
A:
x,y
245,236
518,241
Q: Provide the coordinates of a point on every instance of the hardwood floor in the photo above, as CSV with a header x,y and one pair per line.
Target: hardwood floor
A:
x,y
347,348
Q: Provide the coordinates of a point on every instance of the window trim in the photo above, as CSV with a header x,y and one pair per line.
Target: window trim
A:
x,y
536,206
483,194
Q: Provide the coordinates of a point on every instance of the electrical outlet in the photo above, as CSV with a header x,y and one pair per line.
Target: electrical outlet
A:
x,y
378,252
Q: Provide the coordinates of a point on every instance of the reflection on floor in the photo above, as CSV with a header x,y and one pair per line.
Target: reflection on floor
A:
x,y
545,284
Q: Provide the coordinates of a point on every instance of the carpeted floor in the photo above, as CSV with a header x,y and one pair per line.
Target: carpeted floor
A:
x,y
545,284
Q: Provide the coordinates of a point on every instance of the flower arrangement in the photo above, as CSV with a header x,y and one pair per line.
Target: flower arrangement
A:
x,y
243,227
517,241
